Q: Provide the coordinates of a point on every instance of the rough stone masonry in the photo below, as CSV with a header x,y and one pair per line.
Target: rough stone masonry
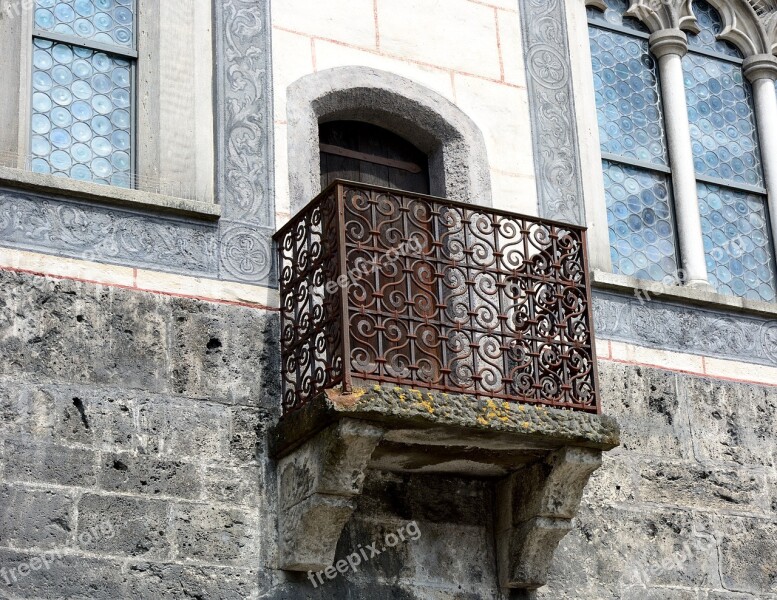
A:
x,y
153,413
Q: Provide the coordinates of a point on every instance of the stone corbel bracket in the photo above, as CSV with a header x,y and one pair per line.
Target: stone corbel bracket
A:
x,y
535,508
539,458
318,484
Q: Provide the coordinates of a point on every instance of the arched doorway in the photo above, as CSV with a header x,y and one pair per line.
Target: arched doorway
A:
x,y
456,150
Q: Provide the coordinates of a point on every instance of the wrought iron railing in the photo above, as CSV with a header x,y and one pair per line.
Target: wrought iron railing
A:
x,y
388,286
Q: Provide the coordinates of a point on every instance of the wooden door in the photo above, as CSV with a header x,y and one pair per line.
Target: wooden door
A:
x,y
366,153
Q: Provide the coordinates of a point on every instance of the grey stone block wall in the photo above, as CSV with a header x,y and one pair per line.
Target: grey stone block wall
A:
x,y
132,456
686,508
134,462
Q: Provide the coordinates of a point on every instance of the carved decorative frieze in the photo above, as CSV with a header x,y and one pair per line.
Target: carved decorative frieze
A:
x,y
552,110
244,111
687,329
88,232
244,140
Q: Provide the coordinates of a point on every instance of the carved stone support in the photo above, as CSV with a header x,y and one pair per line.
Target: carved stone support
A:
x,y
318,483
539,460
535,508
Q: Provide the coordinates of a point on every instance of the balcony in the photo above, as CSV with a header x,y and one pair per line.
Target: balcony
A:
x,y
424,335
383,286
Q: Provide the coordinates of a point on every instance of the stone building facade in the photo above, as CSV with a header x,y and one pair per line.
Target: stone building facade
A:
x,y
140,334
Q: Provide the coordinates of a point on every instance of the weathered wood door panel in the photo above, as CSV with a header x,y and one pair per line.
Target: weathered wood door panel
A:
x,y
366,153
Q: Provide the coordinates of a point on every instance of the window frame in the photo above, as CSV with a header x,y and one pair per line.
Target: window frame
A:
x,y
175,151
130,54
658,27
716,180
650,167
729,185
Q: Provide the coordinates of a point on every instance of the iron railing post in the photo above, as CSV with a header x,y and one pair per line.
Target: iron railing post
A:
x,y
343,284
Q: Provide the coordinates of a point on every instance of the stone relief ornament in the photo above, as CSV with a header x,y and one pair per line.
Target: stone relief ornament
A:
x,y
245,108
551,105
685,329
244,141
769,340
749,24
548,66
246,253
108,235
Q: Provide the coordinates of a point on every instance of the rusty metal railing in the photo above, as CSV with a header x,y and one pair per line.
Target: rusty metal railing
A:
x,y
388,286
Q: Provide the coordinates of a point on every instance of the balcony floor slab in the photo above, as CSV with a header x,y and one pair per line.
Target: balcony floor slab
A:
x,y
415,417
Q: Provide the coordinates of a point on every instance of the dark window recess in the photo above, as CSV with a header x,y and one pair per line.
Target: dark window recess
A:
x,y
369,154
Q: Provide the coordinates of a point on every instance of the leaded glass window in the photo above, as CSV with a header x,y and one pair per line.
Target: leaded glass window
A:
x,y
82,97
633,145
729,174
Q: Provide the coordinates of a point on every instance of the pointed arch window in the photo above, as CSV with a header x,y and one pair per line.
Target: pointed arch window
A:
x,y
727,160
634,150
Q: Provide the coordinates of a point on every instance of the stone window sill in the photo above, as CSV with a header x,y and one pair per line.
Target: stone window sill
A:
x,y
108,195
702,297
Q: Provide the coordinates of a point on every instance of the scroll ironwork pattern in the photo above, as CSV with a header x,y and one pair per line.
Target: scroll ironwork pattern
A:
x,y
439,295
311,332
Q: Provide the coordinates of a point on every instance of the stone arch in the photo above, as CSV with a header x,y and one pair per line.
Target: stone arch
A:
x,y
749,28
742,26
458,162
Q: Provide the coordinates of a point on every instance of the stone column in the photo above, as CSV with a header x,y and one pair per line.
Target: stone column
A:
x,y
761,71
669,46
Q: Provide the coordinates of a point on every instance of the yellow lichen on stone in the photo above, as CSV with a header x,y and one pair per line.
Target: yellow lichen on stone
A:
x,y
526,424
428,406
493,411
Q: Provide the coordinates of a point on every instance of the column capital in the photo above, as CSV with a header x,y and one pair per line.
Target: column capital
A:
x,y
760,66
669,41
